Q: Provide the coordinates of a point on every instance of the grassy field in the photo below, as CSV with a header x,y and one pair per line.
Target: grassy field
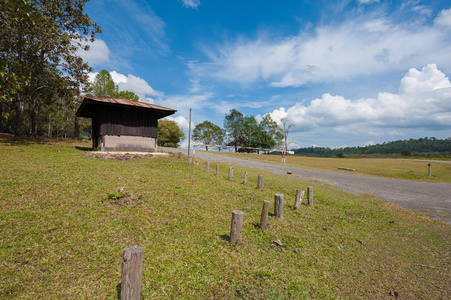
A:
x,y
63,227
381,167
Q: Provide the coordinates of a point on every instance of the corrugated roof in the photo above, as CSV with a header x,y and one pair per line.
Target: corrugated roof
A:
x,y
124,101
89,103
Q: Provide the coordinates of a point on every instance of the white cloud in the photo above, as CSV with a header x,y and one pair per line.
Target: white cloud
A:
x,y
423,10
118,78
368,1
363,46
92,76
428,79
97,54
181,121
142,16
133,84
424,101
195,86
444,18
136,85
278,114
191,3
184,102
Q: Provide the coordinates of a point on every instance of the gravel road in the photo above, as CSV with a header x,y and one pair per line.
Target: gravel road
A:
x,y
431,196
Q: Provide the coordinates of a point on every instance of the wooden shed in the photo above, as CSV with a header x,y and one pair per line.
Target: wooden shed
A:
x,y
123,124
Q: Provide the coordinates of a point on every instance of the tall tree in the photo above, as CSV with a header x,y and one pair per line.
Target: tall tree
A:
x,y
169,134
233,125
286,126
208,133
104,85
273,133
38,44
249,133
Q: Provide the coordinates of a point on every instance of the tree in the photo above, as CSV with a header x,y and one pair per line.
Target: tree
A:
x,y
250,132
286,126
208,133
273,133
104,86
233,125
127,95
169,134
38,44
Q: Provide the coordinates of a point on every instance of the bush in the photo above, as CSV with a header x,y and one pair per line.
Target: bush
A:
x,y
406,153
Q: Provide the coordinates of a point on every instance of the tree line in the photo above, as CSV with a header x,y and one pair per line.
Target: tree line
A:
x,y
412,147
242,132
42,78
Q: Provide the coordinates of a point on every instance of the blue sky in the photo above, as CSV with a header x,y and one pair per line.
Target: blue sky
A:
x,y
345,73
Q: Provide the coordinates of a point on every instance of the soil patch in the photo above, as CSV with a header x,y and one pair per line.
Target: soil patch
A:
x,y
117,156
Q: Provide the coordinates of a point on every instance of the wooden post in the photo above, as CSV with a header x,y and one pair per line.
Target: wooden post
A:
x,y
278,206
190,159
298,199
310,195
260,182
132,265
217,169
236,227
180,155
245,178
230,173
429,170
207,167
264,216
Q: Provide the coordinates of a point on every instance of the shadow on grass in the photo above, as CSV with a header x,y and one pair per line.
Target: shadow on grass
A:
x,y
84,148
118,290
290,207
225,237
256,225
11,140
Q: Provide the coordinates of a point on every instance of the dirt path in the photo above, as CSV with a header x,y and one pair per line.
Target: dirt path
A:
x,y
430,196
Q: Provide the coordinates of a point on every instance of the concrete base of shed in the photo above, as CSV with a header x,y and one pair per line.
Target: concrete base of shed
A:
x,y
126,143
113,153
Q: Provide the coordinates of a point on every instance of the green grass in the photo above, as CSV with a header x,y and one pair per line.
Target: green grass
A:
x,y
63,226
381,167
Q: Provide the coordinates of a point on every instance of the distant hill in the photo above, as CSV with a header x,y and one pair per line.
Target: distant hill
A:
x,y
431,147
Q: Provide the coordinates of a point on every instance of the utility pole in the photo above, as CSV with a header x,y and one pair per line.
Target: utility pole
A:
x,y
189,134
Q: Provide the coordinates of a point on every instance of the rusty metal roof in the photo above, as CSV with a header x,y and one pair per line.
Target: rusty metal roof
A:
x,y
86,107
